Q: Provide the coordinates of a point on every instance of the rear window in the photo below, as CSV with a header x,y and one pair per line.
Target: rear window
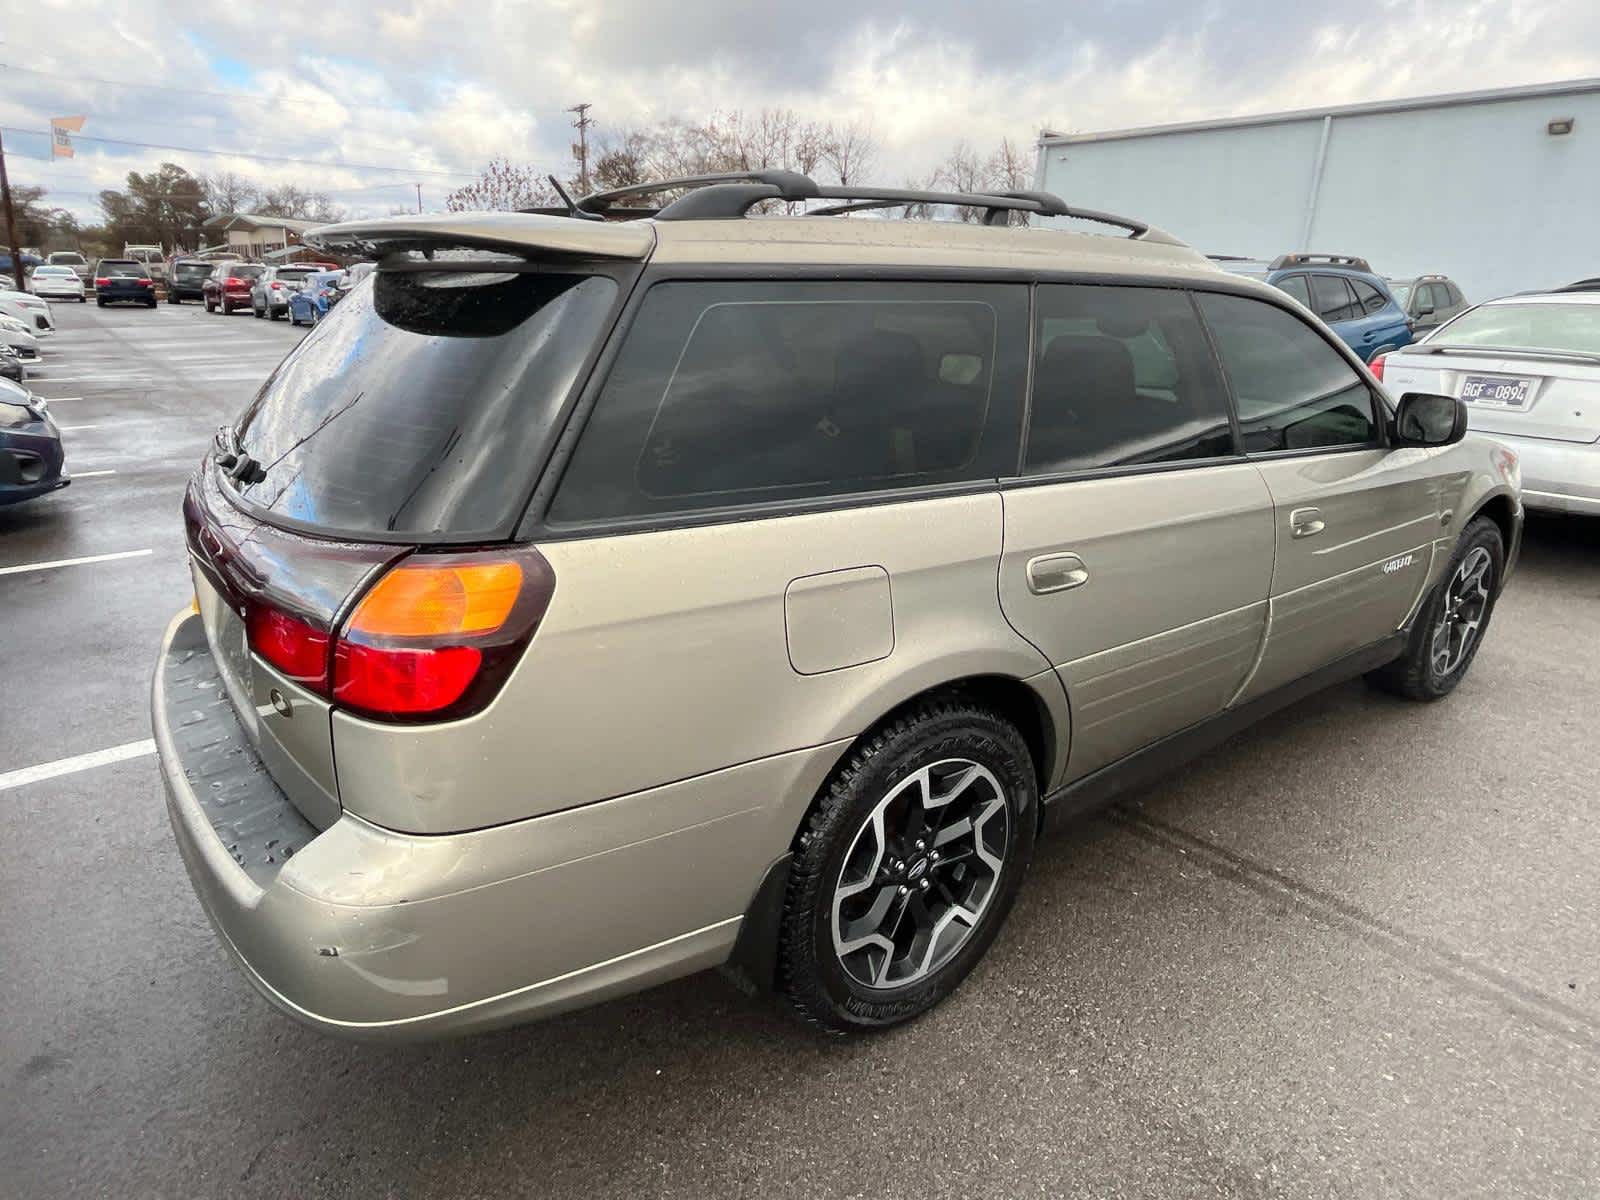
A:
x,y
123,271
245,272
192,270
419,407
739,393
1561,328
294,274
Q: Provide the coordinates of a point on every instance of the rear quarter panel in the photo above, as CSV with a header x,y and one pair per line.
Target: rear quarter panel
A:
x,y
666,655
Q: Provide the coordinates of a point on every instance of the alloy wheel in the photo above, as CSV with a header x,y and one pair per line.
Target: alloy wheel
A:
x,y
920,873
1466,603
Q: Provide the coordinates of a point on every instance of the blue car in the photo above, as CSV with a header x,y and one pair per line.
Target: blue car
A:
x,y
31,461
1342,290
315,296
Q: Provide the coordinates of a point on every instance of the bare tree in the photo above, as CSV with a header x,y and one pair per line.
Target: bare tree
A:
x,y
850,150
227,192
963,171
504,185
623,160
1009,169
810,145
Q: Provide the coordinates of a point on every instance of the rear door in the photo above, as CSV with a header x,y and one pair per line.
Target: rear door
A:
x,y
1138,544
1354,520
1382,323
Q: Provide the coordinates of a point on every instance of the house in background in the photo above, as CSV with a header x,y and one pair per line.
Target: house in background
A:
x,y
252,235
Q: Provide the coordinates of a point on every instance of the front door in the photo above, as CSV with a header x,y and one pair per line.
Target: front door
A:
x,y
1138,544
1354,521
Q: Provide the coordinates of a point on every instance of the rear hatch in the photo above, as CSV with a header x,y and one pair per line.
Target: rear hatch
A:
x,y
386,461
1527,367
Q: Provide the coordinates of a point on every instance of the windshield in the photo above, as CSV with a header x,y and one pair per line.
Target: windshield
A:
x,y
420,406
1402,293
1561,328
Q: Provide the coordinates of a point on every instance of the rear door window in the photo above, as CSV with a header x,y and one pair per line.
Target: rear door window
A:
x,y
744,392
1122,376
423,405
1292,390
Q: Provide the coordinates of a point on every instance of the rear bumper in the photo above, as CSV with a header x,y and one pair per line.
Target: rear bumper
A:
x,y
1557,476
362,932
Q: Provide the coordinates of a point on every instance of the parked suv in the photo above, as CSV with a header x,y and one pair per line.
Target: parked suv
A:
x,y
1343,291
121,279
586,603
1429,300
228,286
186,279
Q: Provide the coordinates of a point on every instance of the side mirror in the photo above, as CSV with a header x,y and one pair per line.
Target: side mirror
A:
x,y
1424,309
1425,419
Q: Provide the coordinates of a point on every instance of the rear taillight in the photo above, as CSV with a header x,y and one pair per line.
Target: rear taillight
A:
x,y
102,281
275,286
1376,365
236,285
432,639
146,282
295,647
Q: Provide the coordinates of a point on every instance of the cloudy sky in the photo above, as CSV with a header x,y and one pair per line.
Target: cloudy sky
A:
x,y
388,94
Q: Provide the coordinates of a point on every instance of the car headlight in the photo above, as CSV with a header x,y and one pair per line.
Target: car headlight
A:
x,y
14,415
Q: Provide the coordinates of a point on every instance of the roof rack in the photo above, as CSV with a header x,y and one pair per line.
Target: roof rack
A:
x,y
1330,260
728,195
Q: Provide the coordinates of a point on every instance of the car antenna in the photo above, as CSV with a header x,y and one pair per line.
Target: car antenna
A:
x,y
572,205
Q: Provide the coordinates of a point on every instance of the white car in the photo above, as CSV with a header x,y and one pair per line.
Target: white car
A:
x,y
56,283
33,311
1528,368
15,334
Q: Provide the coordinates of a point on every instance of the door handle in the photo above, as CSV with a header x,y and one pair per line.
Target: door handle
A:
x,y
1303,522
1056,573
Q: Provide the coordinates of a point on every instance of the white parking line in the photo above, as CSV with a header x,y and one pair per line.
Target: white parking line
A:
x,y
91,474
55,399
75,428
21,568
78,762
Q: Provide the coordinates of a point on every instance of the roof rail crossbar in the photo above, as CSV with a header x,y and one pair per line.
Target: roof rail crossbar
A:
x,y
1307,258
795,186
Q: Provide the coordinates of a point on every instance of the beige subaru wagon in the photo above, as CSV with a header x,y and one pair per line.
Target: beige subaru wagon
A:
x,y
604,595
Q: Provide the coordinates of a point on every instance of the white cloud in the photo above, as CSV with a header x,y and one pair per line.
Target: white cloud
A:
x,y
434,85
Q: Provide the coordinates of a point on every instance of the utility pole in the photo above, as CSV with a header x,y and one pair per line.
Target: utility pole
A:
x,y
419,197
580,148
11,220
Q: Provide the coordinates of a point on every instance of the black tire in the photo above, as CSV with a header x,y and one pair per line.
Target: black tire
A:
x,y
99,302
274,315
83,299
811,971
1420,673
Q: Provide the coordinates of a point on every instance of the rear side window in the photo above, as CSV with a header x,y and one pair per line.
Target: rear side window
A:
x,y
1122,376
734,393
1335,302
1292,390
1370,297
421,407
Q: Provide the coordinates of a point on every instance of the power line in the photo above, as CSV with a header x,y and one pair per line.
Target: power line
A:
x,y
164,87
281,158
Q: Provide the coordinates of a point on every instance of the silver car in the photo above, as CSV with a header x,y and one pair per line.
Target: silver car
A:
x,y
586,603
1528,369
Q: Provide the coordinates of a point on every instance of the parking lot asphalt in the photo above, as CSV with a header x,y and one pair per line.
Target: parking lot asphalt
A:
x,y
1352,952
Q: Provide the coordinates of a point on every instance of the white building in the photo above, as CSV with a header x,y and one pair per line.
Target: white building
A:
x,y
1498,189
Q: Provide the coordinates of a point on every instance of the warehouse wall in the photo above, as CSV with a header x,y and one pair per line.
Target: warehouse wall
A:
x,y
1479,192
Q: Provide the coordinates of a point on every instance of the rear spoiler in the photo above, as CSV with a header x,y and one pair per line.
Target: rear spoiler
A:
x,y
529,235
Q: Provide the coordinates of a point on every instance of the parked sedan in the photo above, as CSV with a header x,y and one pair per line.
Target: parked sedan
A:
x,y
228,286
10,365
31,459
122,279
1528,368
19,339
33,311
270,290
70,258
56,283
316,295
